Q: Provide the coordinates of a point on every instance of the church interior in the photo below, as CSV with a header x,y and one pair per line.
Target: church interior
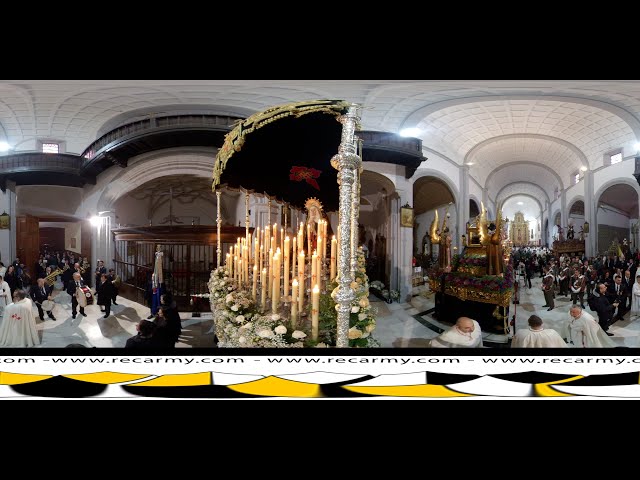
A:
x,y
466,192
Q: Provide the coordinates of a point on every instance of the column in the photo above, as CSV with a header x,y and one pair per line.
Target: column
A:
x,y
8,237
102,241
590,210
564,215
462,209
400,242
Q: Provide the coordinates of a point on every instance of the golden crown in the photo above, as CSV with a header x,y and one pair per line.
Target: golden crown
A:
x,y
313,202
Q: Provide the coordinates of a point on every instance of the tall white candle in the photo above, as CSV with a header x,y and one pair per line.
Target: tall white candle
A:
x,y
334,250
255,283
286,266
263,288
314,269
315,311
301,280
294,303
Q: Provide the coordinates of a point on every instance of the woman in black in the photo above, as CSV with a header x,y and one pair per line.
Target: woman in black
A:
x,y
145,337
11,277
168,329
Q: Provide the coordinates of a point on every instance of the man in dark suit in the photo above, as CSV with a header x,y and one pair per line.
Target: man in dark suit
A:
x,y
605,308
71,290
100,269
104,289
39,294
615,294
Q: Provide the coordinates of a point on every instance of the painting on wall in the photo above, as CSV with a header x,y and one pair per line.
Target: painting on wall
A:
x,y
72,242
5,221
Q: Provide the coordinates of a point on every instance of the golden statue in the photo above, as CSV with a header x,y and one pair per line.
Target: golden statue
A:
x,y
443,238
495,259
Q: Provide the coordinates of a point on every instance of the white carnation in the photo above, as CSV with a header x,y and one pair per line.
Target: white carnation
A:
x,y
265,333
354,333
281,329
228,298
235,307
362,316
240,318
355,309
298,334
242,340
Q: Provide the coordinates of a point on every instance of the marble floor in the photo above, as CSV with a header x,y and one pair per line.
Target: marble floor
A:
x,y
96,331
398,325
409,324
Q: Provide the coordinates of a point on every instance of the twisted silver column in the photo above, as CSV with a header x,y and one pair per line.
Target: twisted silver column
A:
x,y
347,162
219,222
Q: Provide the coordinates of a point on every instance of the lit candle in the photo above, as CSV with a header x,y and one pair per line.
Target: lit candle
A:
x,y
320,245
301,280
256,249
315,311
267,237
294,256
314,268
286,266
261,257
301,238
275,236
294,303
255,283
276,282
263,286
270,276
334,250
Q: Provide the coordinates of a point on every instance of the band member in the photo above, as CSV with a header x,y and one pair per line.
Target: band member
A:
x,y
72,287
99,271
39,294
627,283
104,289
116,281
578,286
547,288
563,280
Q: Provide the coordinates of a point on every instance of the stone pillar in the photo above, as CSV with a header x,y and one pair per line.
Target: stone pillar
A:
x,y
462,209
590,209
564,215
8,237
102,241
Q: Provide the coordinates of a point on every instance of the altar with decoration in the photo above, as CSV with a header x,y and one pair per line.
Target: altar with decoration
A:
x,y
293,283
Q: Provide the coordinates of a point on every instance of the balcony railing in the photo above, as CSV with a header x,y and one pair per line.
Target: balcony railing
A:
x,y
38,161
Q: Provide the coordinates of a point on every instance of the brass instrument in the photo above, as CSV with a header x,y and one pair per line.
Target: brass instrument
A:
x,y
51,278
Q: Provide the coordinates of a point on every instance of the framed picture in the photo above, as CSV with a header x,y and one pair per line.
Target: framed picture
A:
x,y
5,221
406,216
72,242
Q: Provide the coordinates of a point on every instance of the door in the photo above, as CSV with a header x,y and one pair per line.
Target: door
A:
x,y
28,241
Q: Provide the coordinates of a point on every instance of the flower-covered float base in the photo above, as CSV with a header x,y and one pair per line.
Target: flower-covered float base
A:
x,y
465,292
239,322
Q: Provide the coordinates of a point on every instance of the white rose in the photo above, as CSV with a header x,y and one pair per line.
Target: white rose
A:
x,y
281,329
265,333
354,333
298,334
235,308
322,345
229,298
365,335
371,327
364,302
362,316
230,287
275,317
355,309
242,340
240,318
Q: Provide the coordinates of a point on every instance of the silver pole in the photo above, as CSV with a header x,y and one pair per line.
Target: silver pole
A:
x,y
347,162
219,222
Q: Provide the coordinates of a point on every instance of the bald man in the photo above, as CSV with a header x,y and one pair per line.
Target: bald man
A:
x,y
465,333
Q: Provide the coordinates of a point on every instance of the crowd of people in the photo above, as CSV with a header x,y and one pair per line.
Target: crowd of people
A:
x,y
20,293
609,286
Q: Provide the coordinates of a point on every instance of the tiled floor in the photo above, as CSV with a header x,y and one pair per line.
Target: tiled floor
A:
x,y
96,331
398,325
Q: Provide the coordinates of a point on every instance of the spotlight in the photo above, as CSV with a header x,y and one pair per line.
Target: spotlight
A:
x,y
95,221
410,132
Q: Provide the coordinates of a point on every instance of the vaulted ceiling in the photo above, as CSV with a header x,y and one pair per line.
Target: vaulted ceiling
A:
x,y
513,131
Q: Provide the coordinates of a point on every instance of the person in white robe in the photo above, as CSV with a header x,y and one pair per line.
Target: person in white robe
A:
x,y
465,333
536,336
585,331
5,294
18,328
635,300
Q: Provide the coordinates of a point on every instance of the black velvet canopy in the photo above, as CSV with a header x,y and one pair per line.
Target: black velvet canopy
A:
x,y
285,156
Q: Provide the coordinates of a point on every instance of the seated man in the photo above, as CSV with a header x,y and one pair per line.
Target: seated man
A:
x,y
536,336
465,333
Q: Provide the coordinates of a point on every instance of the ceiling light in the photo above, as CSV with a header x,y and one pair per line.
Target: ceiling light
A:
x,y
520,203
4,147
583,168
637,146
470,163
410,132
95,221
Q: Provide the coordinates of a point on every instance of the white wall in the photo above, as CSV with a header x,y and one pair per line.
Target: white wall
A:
x,y
617,173
573,191
607,216
132,212
47,200
73,230
439,167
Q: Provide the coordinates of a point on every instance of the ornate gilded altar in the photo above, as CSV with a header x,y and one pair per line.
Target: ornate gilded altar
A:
x,y
519,230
